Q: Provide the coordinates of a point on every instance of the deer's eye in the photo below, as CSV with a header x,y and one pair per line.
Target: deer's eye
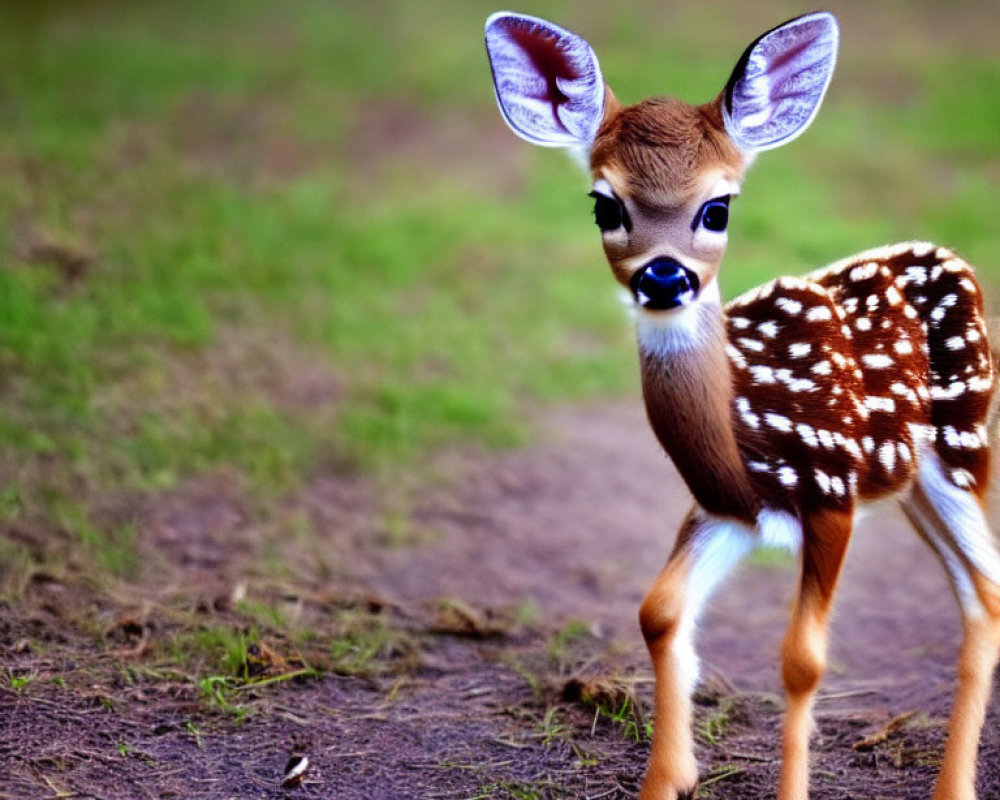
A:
x,y
713,216
609,212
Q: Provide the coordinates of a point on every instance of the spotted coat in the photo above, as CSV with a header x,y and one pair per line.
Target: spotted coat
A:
x,y
843,378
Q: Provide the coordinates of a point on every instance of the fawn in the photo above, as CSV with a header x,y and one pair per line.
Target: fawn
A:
x,y
793,405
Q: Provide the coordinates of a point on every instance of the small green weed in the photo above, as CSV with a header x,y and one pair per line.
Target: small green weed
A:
x,y
612,699
714,723
561,642
713,728
550,729
367,644
19,683
195,732
215,647
218,690
634,725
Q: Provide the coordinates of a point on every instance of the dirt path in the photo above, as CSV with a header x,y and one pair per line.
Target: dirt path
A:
x,y
581,524
573,528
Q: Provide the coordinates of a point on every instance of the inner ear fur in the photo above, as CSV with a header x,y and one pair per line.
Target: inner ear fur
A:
x,y
779,82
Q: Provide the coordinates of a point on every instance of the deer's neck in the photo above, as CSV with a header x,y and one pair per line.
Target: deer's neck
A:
x,y
687,387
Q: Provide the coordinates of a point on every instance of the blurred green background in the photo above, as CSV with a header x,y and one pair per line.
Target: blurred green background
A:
x,y
273,238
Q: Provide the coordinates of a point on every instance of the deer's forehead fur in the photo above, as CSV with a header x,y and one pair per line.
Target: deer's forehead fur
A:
x,y
661,147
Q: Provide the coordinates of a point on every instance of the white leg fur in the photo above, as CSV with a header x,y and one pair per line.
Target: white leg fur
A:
x,y
717,547
958,573
969,538
779,529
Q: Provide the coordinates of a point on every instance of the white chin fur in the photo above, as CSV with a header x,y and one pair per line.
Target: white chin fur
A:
x,y
676,329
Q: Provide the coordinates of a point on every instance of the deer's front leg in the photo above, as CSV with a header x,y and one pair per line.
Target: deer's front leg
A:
x,y
803,653
707,548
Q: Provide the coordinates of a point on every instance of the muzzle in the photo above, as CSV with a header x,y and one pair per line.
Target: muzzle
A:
x,y
664,283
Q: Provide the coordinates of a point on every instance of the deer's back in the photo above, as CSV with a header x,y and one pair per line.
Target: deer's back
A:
x,y
845,378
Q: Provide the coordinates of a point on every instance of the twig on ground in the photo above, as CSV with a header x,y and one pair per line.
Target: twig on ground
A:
x,y
891,727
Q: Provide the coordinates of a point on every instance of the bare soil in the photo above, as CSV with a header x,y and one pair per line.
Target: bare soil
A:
x,y
507,586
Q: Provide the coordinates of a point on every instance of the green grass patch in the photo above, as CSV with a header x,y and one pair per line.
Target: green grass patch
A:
x,y
366,644
201,214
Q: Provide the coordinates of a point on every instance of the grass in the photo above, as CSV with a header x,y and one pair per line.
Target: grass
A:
x,y
267,240
228,659
19,683
365,644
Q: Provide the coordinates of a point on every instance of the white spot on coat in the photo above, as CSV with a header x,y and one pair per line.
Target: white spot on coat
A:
x,y
887,456
886,404
778,421
864,272
980,383
788,305
788,476
955,389
807,434
751,344
819,314
877,360
822,480
743,407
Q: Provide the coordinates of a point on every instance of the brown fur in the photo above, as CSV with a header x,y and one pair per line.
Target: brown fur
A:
x,y
803,652
662,145
688,403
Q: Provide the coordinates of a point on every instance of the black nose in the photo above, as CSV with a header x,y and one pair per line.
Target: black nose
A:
x,y
664,283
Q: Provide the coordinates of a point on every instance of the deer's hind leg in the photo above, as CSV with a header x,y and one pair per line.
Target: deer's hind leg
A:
x,y
952,521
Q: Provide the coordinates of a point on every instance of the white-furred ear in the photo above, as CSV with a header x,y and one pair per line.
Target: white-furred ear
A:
x,y
548,83
779,82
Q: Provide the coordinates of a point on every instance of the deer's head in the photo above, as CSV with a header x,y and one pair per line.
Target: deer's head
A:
x,y
664,172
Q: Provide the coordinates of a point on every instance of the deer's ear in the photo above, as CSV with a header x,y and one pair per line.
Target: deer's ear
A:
x,y
779,82
548,83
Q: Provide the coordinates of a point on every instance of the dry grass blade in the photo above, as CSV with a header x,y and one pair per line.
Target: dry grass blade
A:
x,y
457,618
883,733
